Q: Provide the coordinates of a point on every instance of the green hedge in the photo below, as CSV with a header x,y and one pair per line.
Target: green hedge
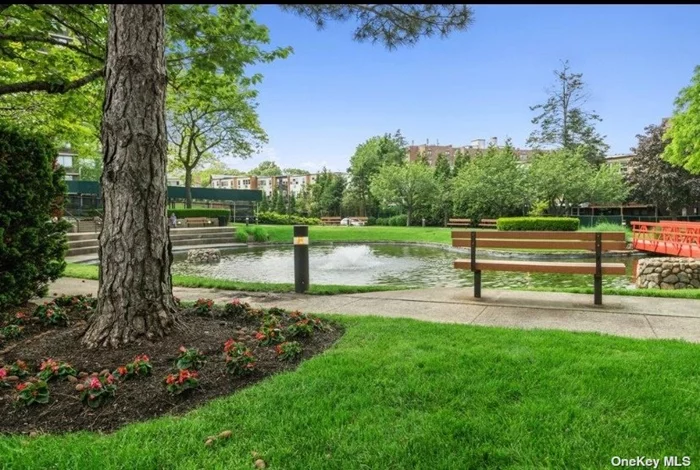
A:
x,y
199,212
32,191
273,218
395,221
569,224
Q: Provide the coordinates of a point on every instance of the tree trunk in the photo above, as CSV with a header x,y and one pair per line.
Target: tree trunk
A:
x,y
408,218
188,188
135,292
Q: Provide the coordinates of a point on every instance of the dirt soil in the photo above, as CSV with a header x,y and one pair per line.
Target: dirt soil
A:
x,y
139,398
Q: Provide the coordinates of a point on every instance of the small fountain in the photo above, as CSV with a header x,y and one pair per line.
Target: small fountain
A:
x,y
349,257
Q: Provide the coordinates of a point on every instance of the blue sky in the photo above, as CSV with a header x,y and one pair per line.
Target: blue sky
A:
x,y
334,93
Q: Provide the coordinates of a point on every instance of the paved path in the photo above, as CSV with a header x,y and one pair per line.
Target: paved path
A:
x,y
638,317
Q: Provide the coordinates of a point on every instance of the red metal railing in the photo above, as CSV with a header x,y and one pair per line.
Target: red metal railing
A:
x,y
673,238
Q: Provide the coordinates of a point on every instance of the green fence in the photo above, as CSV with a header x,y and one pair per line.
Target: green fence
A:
x,y
178,192
593,220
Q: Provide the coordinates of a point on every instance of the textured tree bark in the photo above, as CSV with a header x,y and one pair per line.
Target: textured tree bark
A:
x,y
188,188
135,292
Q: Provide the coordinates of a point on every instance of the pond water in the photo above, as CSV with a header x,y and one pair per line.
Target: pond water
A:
x,y
383,264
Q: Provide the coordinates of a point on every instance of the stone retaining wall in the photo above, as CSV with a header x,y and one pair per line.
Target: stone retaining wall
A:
x,y
668,273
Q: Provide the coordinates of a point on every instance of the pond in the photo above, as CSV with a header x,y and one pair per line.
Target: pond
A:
x,y
383,264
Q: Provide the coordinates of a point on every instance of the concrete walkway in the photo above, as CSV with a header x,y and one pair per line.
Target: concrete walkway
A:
x,y
637,317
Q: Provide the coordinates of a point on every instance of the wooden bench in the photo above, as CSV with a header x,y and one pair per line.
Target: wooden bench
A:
x,y
597,242
330,220
197,222
459,223
488,223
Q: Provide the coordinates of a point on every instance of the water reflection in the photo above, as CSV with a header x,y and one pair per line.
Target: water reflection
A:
x,y
380,264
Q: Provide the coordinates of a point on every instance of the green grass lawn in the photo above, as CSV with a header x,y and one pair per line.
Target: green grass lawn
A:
x,y
320,233
403,394
86,271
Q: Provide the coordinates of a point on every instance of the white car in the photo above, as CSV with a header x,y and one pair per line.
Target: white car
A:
x,y
350,221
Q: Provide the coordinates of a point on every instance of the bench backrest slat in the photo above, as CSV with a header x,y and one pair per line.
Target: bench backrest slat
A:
x,y
538,235
541,244
540,240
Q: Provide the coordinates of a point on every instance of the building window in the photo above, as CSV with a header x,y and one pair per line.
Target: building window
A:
x,y
65,161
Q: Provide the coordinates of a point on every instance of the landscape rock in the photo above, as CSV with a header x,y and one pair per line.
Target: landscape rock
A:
x,y
204,255
668,273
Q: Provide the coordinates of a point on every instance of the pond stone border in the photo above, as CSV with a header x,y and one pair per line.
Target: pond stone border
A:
x,y
668,273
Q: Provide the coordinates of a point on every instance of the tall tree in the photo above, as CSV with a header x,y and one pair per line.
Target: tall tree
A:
x,y
369,158
684,128
443,181
562,121
411,186
135,292
52,60
461,159
327,194
266,168
655,181
210,121
490,186
294,172
565,179
134,247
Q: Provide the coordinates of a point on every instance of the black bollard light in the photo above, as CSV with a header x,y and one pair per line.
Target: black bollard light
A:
x,y
301,258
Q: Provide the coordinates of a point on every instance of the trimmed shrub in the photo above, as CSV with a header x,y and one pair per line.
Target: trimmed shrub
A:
x,y
32,247
199,212
273,218
259,234
565,224
241,236
398,221
371,220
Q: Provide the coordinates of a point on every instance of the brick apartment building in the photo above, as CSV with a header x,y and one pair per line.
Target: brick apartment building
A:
x,y
432,151
287,184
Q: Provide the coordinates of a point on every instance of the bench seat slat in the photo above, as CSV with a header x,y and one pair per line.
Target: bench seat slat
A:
x,y
541,266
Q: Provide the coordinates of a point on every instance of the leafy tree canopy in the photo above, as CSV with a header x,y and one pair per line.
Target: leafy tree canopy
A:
x,y
654,180
684,128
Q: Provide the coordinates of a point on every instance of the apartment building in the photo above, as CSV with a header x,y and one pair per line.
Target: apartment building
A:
x,y
432,151
286,184
65,159
622,159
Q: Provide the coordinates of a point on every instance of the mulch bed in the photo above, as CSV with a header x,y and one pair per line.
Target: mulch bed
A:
x,y
139,398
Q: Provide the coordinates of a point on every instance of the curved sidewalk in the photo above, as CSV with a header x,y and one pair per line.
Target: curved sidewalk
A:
x,y
637,317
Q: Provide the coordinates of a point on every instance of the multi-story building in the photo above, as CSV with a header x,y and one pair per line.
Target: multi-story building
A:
x,y
286,184
431,152
622,159
65,158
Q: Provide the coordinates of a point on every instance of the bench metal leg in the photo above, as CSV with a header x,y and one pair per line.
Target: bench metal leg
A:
x,y
598,290
477,284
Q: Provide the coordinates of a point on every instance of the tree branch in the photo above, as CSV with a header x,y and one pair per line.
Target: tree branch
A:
x,y
50,87
48,40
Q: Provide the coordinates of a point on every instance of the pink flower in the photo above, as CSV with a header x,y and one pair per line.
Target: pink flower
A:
x,y
236,302
95,383
3,373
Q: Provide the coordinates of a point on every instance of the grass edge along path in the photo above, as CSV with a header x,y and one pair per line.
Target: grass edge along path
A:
x,y
86,271
396,393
